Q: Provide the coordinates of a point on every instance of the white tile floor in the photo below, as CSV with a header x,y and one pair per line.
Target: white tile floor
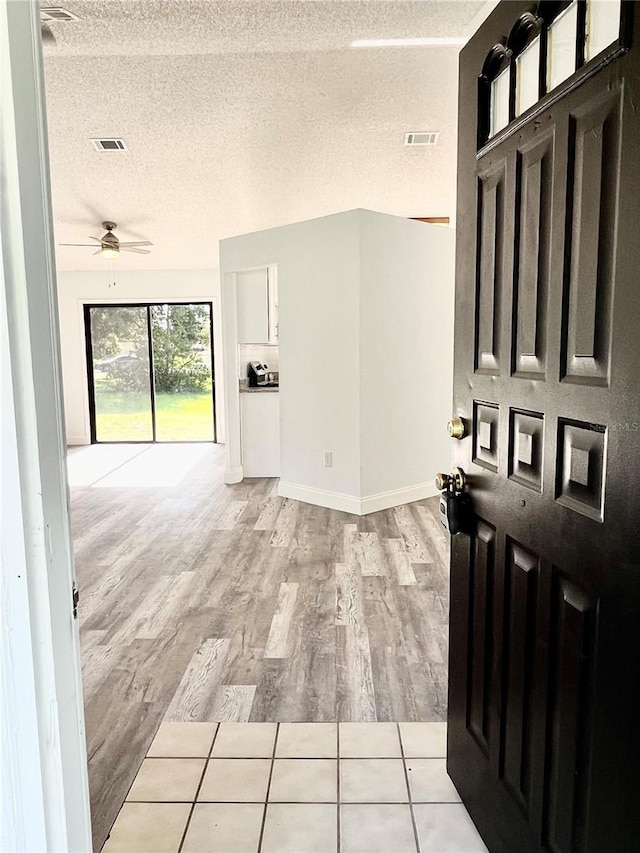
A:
x,y
295,788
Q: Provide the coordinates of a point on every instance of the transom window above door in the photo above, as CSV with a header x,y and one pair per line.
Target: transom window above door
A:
x,y
548,48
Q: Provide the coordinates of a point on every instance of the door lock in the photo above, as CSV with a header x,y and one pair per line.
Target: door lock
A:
x,y
456,481
455,502
457,428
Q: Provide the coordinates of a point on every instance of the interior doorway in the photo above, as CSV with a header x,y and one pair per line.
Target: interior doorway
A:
x,y
150,371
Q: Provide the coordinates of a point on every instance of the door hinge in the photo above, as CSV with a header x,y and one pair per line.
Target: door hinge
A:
x,y
75,599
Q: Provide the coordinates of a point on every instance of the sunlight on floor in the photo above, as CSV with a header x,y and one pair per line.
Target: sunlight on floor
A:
x,y
138,466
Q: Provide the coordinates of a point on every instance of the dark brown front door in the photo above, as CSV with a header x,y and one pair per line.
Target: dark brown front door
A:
x,y
545,592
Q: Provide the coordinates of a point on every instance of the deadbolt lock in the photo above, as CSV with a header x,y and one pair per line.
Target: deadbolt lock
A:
x,y
456,428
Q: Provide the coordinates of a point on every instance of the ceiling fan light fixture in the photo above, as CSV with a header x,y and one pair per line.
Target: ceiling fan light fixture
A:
x,y
109,246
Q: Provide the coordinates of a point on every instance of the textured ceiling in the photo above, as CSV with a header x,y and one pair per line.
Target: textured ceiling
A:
x,y
244,115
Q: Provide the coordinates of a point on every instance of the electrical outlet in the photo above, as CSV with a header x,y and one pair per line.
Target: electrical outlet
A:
x,y
328,459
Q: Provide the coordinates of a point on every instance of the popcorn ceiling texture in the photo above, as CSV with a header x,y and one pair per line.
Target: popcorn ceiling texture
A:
x,y
241,116
191,27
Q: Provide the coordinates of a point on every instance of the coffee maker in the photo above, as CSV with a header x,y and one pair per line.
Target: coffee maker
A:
x,y
259,375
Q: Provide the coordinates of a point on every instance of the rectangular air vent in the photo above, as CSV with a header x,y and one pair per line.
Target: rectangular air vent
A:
x,y
109,144
49,14
424,137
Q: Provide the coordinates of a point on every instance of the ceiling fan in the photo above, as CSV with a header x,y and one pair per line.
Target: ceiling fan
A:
x,y
110,246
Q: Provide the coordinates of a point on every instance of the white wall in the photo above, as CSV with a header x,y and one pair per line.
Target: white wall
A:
x,y
366,343
44,789
318,315
77,288
406,352
318,269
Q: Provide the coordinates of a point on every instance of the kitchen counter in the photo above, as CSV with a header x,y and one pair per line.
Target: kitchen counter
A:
x,y
264,390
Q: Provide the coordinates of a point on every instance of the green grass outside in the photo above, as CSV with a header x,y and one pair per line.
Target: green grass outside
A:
x,y
126,416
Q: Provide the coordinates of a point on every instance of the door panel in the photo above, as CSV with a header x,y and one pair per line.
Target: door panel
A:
x,y
522,569
570,706
491,229
534,184
481,646
545,589
581,469
594,145
526,448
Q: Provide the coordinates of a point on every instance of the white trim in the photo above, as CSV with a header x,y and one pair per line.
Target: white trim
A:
x,y
233,475
46,637
397,497
352,504
231,385
78,440
22,825
320,497
82,355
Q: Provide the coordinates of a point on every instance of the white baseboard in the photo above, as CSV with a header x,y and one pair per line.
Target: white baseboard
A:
x,y
319,497
354,505
233,475
76,440
397,497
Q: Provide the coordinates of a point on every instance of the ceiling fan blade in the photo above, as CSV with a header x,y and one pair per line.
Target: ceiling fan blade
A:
x,y
137,243
97,239
88,245
99,252
125,248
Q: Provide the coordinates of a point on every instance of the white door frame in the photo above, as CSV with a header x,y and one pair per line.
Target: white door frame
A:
x,y
45,795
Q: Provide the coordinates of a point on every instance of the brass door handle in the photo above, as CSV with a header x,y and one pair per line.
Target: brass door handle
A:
x,y
442,481
456,481
456,428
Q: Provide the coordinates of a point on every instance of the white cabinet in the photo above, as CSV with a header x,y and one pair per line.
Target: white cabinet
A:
x,y
257,301
253,306
260,431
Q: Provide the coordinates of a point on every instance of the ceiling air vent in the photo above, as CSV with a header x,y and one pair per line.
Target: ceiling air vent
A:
x,y
424,137
49,14
109,144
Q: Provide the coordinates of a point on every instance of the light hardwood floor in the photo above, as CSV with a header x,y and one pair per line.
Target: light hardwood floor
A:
x,y
206,602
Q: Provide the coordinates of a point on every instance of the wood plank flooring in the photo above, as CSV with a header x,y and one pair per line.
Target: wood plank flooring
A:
x,y
206,602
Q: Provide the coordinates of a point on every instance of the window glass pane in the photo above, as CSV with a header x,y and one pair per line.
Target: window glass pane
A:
x,y
603,25
528,77
121,381
500,102
183,377
561,50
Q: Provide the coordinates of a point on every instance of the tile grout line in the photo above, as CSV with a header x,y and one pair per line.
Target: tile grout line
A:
x,y
126,800
406,779
195,798
294,802
295,757
266,798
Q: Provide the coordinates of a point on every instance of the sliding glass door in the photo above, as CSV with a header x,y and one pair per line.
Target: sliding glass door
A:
x,y
150,372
